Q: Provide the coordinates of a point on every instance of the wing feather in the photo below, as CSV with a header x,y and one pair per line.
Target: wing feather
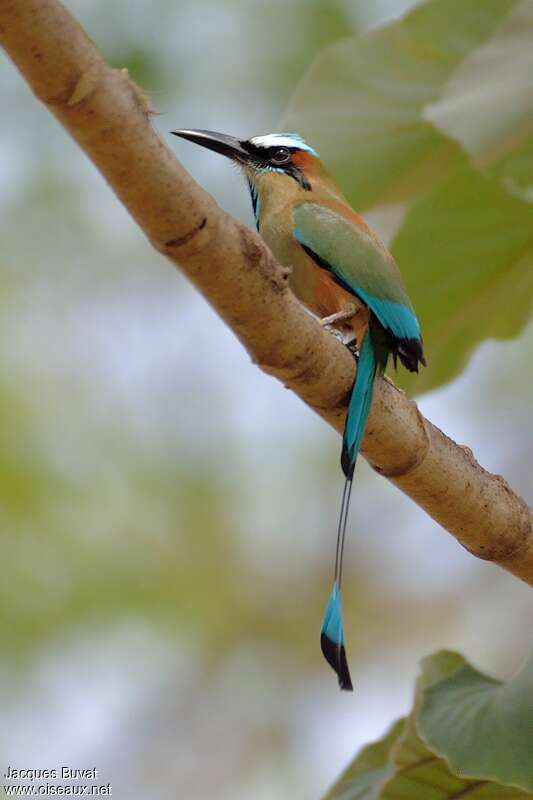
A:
x,y
341,243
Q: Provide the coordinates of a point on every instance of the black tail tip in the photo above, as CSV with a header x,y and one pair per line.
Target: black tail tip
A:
x,y
410,352
335,655
347,462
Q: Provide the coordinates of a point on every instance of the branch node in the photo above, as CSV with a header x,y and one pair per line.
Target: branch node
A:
x,y
415,457
85,86
141,98
257,257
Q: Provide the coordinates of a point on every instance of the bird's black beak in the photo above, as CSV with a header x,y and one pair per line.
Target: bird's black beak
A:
x,y
227,146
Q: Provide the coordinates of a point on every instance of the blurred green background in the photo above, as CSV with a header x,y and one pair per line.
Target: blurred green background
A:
x,y
167,511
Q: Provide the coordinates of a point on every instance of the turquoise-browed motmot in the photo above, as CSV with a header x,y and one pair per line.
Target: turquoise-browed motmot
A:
x,y
345,275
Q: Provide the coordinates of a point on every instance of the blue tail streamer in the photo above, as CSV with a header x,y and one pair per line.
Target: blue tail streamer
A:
x,y
332,634
359,407
332,639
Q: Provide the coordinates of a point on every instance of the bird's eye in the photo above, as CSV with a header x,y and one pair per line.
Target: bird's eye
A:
x,y
281,155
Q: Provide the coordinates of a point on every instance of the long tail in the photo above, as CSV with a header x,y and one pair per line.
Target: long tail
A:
x,y
332,635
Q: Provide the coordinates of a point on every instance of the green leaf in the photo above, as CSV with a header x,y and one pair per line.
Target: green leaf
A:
x,y
418,773
515,170
483,727
362,102
406,765
466,251
367,772
439,666
487,105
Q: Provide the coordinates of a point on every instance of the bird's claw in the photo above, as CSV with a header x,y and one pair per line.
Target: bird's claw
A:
x,y
333,331
339,316
353,347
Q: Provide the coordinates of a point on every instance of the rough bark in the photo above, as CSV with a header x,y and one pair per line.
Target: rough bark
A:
x,y
109,118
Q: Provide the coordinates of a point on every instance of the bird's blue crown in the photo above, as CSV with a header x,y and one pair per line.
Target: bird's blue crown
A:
x,y
282,140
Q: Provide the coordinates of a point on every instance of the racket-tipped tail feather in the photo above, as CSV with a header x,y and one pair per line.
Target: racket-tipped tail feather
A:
x,y
332,639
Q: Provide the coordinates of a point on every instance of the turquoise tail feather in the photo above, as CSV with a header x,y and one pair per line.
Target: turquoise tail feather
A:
x,y
332,634
332,639
359,407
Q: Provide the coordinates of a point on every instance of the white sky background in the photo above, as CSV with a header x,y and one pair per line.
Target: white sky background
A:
x,y
121,331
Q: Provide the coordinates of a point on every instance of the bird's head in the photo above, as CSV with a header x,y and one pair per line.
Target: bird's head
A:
x,y
262,156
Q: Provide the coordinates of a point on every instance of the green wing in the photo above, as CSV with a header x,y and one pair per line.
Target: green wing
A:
x,y
359,262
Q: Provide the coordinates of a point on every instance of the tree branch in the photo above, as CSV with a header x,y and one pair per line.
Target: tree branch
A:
x,y
109,118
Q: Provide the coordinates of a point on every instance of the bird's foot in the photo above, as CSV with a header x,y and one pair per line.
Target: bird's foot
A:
x,y
334,332
353,347
339,316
